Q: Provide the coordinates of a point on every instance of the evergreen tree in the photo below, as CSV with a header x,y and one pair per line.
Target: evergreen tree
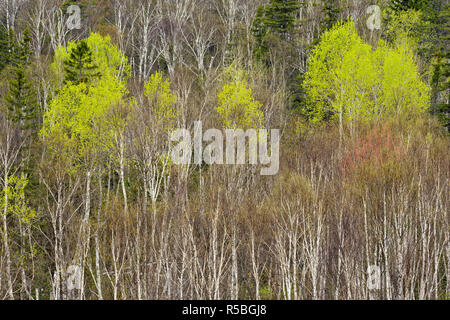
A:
x,y
24,51
259,30
12,46
281,16
440,82
403,5
331,11
8,48
79,68
15,53
3,48
21,100
277,18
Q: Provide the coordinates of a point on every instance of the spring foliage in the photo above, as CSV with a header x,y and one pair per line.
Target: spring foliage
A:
x,y
237,108
347,76
78,112
16,203
161,98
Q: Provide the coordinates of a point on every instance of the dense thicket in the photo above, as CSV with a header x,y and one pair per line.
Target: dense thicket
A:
x,y
93,207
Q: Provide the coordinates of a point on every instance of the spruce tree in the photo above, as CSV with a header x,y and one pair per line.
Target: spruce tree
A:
x,y
15,53
79,68
21,100
259,30
403,5
441,72
281,16
3,48
8,48
24,51
278,18
331,12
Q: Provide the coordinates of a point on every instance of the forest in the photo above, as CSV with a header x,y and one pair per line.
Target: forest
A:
x,y
93,206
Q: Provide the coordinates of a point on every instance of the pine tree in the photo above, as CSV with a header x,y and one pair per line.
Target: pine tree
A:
x,y
277,18
15,53
403,5
12,46
79,68
21,100
3,48
8,48
281,16
440,81
331,11
259,30
24,51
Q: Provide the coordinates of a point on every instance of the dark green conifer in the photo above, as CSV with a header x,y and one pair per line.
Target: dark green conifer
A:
x,y
331,11
21,100
80,67
403,5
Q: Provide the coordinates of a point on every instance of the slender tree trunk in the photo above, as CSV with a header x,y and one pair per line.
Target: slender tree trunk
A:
x,y
5,237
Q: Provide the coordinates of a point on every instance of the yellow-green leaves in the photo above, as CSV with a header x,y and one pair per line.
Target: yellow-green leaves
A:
x,y
236,106
348,77
403,90
402,27
78,113
322,81
162,98
111,62
17,204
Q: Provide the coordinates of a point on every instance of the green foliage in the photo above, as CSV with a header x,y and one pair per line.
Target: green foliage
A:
x,y
15,193
266,292
440,84
21,100
331,11
425,27
347,77
321,83
237,107
275,19
440,65
259,31
15,53
79,67
404,26
3,48
161,98
67,3
403,90
110,62
24,51
281,15
403,5
8,48
78,114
